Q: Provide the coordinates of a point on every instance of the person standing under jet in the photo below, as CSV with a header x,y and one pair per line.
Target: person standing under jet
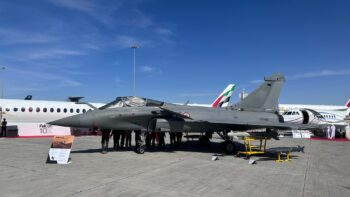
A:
x,y
178,138
161,136
3,128
172,139
137,137
105,134
116,136
128,139
153,139
122,139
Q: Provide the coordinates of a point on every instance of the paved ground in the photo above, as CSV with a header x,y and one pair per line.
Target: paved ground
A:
x,y
324,170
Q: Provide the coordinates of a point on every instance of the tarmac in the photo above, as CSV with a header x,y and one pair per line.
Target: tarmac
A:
x,y
323,170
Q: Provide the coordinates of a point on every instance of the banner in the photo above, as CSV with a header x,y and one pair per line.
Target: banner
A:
x,y
60,149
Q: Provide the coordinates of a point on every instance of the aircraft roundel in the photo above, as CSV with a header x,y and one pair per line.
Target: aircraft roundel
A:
x,y
186,114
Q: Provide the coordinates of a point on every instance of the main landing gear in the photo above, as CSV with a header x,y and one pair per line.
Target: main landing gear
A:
x,y
229,144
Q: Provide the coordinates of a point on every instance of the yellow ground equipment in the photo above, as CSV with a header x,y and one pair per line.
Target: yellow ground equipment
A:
x,y
283,153
252,149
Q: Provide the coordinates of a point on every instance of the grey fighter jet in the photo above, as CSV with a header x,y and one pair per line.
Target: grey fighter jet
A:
x,y
258,110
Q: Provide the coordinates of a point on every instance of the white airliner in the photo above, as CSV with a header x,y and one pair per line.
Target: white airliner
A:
x,y
316,114
28,118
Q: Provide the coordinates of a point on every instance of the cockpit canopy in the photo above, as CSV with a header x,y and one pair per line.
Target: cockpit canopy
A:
x,y
132,101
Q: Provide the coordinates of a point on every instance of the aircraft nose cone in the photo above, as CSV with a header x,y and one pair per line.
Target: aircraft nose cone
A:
x,y
72,121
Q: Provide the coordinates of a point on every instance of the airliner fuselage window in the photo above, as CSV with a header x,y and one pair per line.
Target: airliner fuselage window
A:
x,y
45,109
65,110
78,111
30,109
7,109
84,110
38,109
52,110
15,109
23,109
58,110
71,110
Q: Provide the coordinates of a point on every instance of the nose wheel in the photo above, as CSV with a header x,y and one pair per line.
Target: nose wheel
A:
x,y
140,150
229,146
141,144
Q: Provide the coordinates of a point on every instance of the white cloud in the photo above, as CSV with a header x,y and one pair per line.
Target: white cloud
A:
x,y
197,94
138,19
322,73
257,81
92,8
82,5
41,78
147,69
91,46
11,36
164,31
54,54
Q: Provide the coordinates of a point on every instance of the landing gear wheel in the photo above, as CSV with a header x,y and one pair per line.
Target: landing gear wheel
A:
x,y
230,147
140,150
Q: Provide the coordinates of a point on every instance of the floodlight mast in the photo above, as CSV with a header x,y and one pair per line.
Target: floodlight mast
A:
x,y
134,47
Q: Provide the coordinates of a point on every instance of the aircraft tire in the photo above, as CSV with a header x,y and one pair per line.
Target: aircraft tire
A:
x,y
140,150
230,147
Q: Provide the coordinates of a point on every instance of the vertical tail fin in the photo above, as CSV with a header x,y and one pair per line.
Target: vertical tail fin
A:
x,y
265,98
347,104
224,97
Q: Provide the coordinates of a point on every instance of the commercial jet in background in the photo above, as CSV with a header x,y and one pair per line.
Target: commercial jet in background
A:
x,y
317,114
27,118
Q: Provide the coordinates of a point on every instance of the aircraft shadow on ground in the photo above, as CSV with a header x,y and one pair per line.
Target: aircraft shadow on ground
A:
x,y
194,146
187,146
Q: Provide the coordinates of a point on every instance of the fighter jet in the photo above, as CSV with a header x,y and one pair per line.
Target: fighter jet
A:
x,y
258,110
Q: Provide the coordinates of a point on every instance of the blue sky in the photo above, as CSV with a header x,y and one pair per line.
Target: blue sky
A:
x,y
189,49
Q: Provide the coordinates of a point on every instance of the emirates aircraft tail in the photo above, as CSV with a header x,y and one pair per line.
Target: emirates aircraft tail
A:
x,y
347,104
223,99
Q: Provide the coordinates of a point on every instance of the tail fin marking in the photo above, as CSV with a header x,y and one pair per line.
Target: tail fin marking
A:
x,y
224,97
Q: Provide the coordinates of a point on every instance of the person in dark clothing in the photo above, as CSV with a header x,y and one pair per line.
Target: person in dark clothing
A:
x,y
161,136
153,139
116,137
128,139
172,139
105,134
178,138
137,138
122,139
3,128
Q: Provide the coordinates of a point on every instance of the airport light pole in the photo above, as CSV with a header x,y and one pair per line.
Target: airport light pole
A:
x,y
3,69
134,47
